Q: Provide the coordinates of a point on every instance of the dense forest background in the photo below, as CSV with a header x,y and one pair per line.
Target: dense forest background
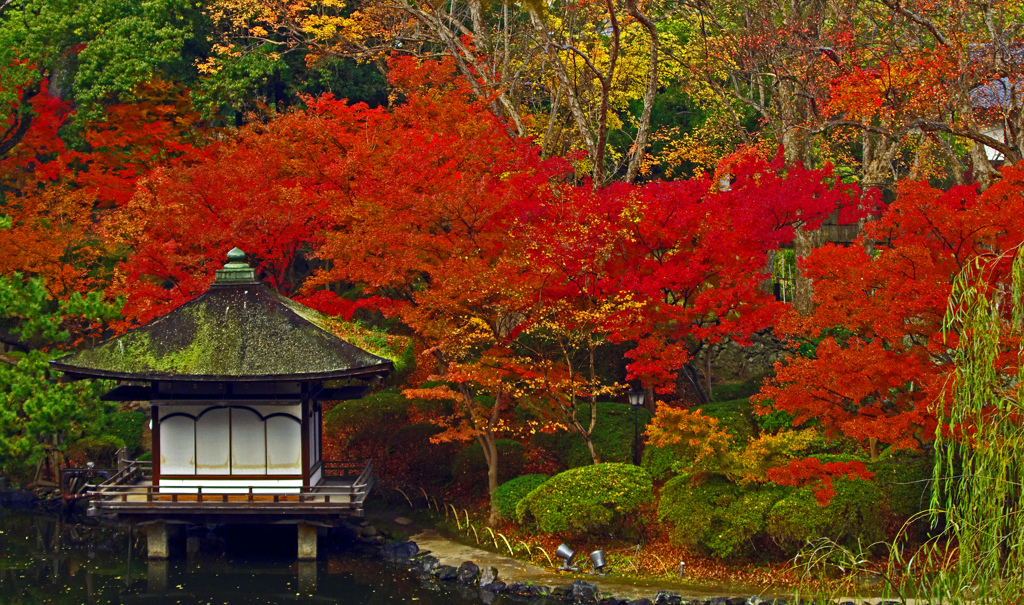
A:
x,y
535,207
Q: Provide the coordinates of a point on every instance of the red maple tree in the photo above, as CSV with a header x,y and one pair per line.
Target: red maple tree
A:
x,y
872,358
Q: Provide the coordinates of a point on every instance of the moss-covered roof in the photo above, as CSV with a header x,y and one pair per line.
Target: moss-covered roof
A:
x,y
239,330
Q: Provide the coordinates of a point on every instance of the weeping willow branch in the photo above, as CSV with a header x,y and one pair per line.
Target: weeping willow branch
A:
x,y
980,439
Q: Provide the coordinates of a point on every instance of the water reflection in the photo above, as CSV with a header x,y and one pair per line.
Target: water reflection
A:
x,y
50,559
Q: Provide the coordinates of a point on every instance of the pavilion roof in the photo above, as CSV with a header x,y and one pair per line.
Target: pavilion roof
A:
x,y
239,330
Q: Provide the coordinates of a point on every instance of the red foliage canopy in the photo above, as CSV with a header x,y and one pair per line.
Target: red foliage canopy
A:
x,y
874,359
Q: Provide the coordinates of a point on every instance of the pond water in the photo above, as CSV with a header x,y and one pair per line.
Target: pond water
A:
x,y
54,559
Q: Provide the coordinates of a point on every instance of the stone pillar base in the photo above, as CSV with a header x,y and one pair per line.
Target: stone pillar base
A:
x,y
307,542
157,546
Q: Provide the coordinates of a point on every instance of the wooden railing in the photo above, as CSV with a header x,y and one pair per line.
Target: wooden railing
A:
x,y
129,473
344,469
224,495
120,493
75,481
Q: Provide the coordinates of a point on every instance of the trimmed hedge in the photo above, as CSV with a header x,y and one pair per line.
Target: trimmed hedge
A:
x,y
587,499
470,468
717,516
736,416
658,461
905,484
508,494
854,514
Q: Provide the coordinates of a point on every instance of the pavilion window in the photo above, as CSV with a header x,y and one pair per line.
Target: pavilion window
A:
x,y
231,441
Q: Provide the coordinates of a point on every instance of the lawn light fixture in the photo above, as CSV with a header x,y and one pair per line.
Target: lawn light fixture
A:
x,y
682,569
597,560
636,400
566,554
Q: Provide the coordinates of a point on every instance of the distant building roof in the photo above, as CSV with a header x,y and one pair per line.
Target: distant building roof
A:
x,y
995,94
239,330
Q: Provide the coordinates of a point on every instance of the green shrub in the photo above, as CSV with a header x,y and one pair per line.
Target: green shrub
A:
x,y
658,461
613,435
102,450
776,421
365,425
586,499
736,416
412,458
737,390
511,492
470,468
127,426
906,487
854,514
717,516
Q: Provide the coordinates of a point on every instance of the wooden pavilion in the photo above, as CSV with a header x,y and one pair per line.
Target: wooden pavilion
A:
x,y
235,379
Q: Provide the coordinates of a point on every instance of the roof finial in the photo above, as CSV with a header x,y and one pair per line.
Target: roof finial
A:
x,y
236,255
236,270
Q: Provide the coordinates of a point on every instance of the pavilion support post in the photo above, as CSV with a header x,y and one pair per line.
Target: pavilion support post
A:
x,y
307,542
157,544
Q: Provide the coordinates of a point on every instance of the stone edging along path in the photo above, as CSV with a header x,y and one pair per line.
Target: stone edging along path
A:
x,y
471,569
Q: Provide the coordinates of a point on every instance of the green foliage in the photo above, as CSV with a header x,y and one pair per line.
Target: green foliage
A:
x,y
716,515
587,499
905,484
613,435
366,425
40,417
737,390
470,468
658,461
776,421
854,515
34,316
735,416
511,492
101,449
127,427
100,49
412,458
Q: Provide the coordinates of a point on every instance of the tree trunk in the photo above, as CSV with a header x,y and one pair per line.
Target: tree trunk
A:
x,y
693,376
804,243
795,137
490,447
983,172
708,352
591,352
637,154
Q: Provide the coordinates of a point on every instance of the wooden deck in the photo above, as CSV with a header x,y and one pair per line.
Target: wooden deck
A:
x,y
130,495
